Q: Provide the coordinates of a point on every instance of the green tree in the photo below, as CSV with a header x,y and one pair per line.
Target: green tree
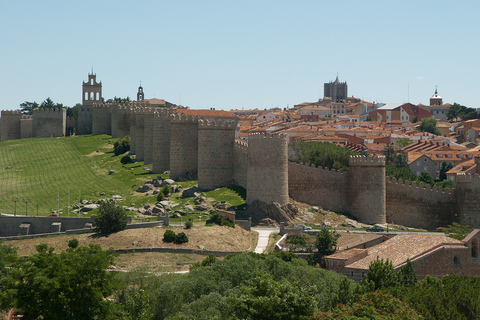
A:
x,y
429,125
27,107
70,285
326,241
389,153
448,184
72,112
110,218
458,231
401,159
380,274
425,178
403,142
444,167
407,274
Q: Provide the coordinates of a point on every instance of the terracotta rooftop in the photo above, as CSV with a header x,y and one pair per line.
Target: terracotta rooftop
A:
x,y
402,247
207,113
350,240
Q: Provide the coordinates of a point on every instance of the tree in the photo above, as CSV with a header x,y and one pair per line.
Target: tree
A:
x,y
458,231
444,167
403,142
425,178
380,274
407,275
49,104
464,113
70,285
110,218
429,125
389,153
326,241
72,112
27,107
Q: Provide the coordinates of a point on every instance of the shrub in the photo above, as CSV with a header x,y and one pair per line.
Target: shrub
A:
x,y
125,159
216,217
296,239
169,236
188,224
166,190
111,218
160,196
181,238
73,243
121,146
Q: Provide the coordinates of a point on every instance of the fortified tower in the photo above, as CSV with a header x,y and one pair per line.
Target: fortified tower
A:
x,y
366,189
91,93
183,146
10,125
121,120
148,127
102,118
161,140
337,91
215,153
267,175
140,94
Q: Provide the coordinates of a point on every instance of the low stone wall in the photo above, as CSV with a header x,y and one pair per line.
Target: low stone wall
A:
x,y
24,225
181,250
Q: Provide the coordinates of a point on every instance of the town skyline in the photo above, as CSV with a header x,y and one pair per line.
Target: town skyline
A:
x,y
239,55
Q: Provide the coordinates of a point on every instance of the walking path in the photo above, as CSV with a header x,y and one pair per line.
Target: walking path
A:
x,y
263,236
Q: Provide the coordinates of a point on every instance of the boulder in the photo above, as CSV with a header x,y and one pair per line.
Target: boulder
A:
x,y
274,211
199,200
180,212
168,182
189,207
158,210
111,172
191,192
157,183
146,187
221,205
202,207
89,207
174,188
117,198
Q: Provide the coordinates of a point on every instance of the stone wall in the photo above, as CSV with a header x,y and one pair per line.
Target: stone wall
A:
x,y
102,119
183,147
85,118
240,159
267,172
49,122
10,125
133,130
366,189
468,199
215,153
37,225
318,186
121,121
148,137
26,127
416,205
139,134
161,140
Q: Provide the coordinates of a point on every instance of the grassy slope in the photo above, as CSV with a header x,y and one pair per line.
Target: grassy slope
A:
x,y
40,167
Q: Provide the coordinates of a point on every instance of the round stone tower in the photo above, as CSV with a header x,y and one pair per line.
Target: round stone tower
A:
x,y
215,153
267,172
367,189
161,140
10,124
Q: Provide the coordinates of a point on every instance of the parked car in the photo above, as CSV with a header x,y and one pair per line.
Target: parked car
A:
x,y
375,229
302,227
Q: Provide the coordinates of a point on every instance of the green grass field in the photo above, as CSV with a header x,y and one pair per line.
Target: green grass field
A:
x,y
48,170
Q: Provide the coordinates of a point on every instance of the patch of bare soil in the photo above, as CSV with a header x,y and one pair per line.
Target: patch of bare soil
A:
x,y
157,262
95,153
218,238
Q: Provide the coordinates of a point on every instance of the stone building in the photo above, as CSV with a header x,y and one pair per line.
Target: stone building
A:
x,y
337,91
91,94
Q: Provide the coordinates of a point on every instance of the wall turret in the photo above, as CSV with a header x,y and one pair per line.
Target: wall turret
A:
x,y
10,125
161,140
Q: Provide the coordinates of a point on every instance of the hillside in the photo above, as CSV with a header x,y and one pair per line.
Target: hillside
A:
x,y
54,172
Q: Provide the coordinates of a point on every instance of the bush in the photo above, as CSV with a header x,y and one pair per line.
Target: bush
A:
x,y
166,190
169,236
125,159
181,238
160,196
73,243
217,218
121,146
188,224
111,218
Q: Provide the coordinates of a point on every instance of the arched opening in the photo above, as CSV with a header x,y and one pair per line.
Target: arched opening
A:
x,y
91,95
85,96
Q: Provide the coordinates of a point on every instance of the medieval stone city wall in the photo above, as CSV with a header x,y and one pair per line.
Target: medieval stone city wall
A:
x,y
366,189
49,122
71,126
85,114
133,130
240,159
215,153
102,118
26,127
10,125
139,131
318,186
416,205
468,199
267,175
184,146
121,121
148,125
161,140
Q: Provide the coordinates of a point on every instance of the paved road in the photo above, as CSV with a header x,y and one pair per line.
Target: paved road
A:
x,y
263,236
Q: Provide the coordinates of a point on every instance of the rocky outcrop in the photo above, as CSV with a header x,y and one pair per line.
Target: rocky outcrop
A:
x,y
260,210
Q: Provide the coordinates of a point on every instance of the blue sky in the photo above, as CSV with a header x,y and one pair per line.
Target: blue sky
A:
x,y
240,54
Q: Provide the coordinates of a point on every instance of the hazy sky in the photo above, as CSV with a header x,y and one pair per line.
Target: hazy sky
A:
x,y
240,54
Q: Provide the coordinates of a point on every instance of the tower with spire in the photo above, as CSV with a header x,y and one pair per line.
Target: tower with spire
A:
x,y
436,100
336,91
140,94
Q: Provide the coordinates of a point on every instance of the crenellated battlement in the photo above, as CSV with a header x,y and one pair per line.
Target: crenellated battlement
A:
x,y
182,118
219,124
412,184
103,106
372,161
468,178
163,113
11,112
240,144
309,165
26,117
266,135
40,111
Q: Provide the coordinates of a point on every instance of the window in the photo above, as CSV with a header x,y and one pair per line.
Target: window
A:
x,y
425,159
456,261
418,164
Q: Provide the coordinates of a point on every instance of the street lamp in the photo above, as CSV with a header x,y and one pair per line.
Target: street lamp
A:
x,y
15,200
26,205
